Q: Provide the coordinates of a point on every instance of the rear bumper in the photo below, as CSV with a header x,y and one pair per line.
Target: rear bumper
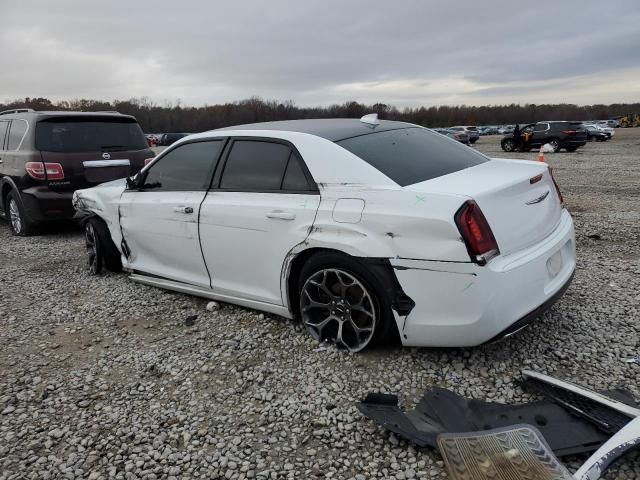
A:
x,y
574,143
43,204
463,304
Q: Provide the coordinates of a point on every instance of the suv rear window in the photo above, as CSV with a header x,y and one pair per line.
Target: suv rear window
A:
x,y
78,134
412,155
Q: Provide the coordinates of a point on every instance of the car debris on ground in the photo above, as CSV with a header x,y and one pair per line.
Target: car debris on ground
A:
x,y
482,440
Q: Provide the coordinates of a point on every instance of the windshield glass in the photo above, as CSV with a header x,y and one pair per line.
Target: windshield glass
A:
x,y
412,155
77,134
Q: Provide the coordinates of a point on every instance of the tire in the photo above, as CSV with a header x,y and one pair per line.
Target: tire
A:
x,y
338,297
19,223
508,145
555,143
571,149
101,251
592,138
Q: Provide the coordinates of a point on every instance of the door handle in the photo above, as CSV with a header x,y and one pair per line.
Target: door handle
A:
x,y
281,215
182,209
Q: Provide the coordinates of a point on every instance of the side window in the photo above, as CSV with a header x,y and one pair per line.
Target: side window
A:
x,y
3,130
16,132
255,166
541,127
186,168
294,177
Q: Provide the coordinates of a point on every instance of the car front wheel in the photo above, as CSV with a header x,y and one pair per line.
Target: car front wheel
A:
x,y
341,303
101,251
508,145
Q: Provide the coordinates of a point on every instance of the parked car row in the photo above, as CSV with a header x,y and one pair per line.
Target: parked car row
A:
x,y
461,137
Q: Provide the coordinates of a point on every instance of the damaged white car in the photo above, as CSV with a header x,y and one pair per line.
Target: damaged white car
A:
x,y
363,229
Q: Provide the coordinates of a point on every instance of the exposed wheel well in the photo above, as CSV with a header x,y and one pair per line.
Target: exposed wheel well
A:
x,y
295,268
379,267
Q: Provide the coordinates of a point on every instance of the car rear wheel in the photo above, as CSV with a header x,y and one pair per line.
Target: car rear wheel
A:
x,y
101,251
508,145
341,303
19,224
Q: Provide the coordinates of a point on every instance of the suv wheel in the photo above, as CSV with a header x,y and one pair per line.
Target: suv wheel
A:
x,y
342,303
101,251
508,145
19,224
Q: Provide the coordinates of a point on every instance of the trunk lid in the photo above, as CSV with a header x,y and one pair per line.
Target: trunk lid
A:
x,y
518,199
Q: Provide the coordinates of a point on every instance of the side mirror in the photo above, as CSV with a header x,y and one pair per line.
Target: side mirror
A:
x,y
132,183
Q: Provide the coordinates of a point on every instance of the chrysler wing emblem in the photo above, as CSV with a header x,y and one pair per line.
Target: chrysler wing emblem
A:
x,y
106,155
538,199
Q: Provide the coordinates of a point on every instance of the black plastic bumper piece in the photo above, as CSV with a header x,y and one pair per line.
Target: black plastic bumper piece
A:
x,y
441,411
606,419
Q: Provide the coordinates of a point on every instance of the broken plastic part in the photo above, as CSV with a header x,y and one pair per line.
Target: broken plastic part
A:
x,y
623,441
518,452
608,412
442,411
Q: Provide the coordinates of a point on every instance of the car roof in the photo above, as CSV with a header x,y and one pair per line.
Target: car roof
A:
x,y
29,114
333,129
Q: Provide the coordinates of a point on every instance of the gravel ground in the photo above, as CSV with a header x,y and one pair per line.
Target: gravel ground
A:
x,y
101,378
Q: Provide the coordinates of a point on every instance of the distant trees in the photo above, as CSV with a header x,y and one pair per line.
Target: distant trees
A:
x,y
177,118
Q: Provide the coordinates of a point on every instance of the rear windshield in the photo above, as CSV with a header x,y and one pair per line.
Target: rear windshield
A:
x,y
77,134
412,155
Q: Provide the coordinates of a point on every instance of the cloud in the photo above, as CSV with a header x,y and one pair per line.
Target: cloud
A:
x,y
406,52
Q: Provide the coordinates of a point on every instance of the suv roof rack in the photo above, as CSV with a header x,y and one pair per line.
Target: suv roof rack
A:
x,y
17,110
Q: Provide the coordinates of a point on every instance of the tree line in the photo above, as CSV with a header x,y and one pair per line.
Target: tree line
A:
x,y
174,117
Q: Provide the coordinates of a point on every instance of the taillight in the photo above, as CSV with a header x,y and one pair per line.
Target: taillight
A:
x,y
45,171
568,132
147,161
557,187
476,233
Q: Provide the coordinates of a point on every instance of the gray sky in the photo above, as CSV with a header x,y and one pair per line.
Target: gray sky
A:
x,y
316,52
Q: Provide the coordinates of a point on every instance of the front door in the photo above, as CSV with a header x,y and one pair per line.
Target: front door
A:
x,y
159,220
263,205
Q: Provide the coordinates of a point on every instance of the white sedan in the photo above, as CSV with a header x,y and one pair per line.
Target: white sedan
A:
x,y
365,230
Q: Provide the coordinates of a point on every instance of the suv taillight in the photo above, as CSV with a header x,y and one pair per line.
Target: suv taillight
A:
x,y
476,233
568,132
557,187
36,170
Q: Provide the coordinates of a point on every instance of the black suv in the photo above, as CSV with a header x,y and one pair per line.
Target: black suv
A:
x,y
46,156
567,135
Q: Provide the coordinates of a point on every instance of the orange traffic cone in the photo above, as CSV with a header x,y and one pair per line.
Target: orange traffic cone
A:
x,y
541,155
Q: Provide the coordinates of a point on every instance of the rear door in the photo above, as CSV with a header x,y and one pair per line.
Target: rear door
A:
x,y
264,205
91,149
159,220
